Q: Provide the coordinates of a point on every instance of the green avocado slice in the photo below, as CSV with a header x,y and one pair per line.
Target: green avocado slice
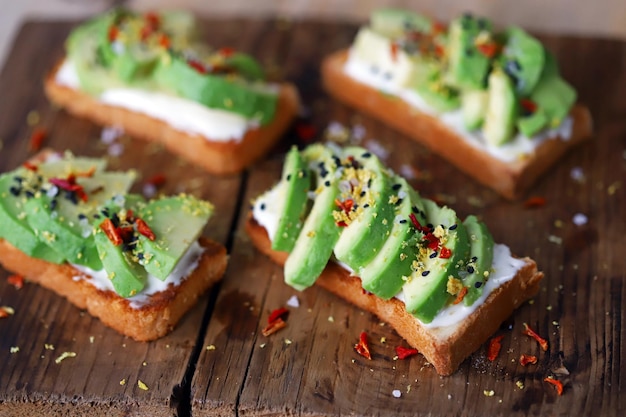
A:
x,y
480,259
314,246
385,275
502,109
426,291
366,186
296,182
395,22
524,58
176,222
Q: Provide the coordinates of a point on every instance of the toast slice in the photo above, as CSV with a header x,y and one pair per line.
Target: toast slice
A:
x,y
510,179
444,347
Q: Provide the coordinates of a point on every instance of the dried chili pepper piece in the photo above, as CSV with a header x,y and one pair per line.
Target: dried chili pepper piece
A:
x,y
558,385
197,66
460,296
535,202
495,344
226,51
279,313
274,326
489,49
144,229
30,166
394,52
37,138
404,353
527,359
16,280
113,33
528,105
530,332
111,232
362,348
445,253
6,311
306,132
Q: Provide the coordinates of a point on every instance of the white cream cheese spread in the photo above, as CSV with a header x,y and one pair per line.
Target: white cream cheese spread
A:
x,y
182,114
519,146
186,265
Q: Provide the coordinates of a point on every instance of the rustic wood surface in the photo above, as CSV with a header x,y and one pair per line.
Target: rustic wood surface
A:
x,y
217,362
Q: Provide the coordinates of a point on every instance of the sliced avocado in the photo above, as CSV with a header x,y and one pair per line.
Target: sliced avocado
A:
x,y
392,22
176,223
314,245
440,96
553,95
385,59
523,58
366,187
502,109
15,228
467,64
474,106
127,276
234,94
246,66
137,61
532,124
386,273
426,290
296,180
480,259
69,164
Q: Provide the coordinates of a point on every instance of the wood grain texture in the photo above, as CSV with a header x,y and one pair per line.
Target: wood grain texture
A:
x,y
310,367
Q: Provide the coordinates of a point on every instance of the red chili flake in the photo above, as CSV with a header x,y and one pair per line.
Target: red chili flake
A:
x,y
437,28
274,326
439,50
530,332
494,348
164,41
417,225
557,384
156,180
87,174
125,233
16,280
197,66
113,33
130,216
445,253
394,51
404,353
152,19
306,132
226,51
145,32
345,206
70,184
489,49
144,229
527,359
279,313
111,232
342,224
528,105
30,166
460,296
535,202
5,312
37,138
362,348
432,241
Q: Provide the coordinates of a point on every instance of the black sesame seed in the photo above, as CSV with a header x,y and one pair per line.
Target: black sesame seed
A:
x,y
262,206
402,221
140,256
469,52
454,226
396,187
474,259
29,194
366,205
15,191
81,216
366,155
323,173
470,269
415,209
96,216
327,183
425,273
53,204
105,212
478,284
18,179
288,177
429,225
433,255
399,202
362,194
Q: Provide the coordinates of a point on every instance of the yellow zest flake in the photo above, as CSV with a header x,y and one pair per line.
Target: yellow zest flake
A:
x,y
454,285
48,346
311,233
142,385
123,381
403,256
393,199
520,384
49,237
440,233
210,347
489,393
64,356
14,349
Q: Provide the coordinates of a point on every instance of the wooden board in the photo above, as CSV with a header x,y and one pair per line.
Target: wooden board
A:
x,y
218,363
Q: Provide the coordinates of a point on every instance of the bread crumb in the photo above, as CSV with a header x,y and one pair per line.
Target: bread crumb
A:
x,y
288,341
489,393
449,396
32,118
383,339
262,345
396,393
64,356
555,239
293,302
210,347
123,381
142,385
91,339
48,346
14,349
520,384
144,363
331,319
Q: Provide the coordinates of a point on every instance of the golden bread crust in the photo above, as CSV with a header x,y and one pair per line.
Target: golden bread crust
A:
x,y
215,157
510,179
445,348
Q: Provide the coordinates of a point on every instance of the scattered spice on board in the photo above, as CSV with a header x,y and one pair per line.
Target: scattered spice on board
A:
x,y
64,356
362,347
460,296
6,311
558,385
37,138
276,321
527,359
404,353
535,202
530,332
16,280
493,350
142,385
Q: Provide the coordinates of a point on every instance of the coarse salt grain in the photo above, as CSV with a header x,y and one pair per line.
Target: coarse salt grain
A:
x,y
577,174
580,219
396,393
293,302
110,134
116,149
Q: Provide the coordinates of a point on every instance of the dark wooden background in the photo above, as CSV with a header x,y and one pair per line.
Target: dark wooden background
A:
x,y
310,368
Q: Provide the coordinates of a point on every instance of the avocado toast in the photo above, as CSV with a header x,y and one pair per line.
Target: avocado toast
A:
x,y
150,74
366,235
136,264
492,102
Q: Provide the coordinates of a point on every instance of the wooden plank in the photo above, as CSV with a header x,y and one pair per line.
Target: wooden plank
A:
x,y
310,368
103,377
